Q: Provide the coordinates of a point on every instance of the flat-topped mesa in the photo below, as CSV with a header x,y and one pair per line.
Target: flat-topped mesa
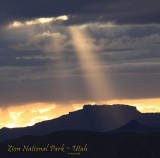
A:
x,y
115,107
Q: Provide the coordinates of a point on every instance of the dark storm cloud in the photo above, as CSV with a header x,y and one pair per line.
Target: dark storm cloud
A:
x,y
31,70
13,61
133,86
148,68
129,55
43,90
132,31
138,12
75,89
19,59
20,9
122,12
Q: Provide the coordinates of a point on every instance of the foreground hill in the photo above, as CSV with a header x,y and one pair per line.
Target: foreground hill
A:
x,y
91,118
136,127
83,144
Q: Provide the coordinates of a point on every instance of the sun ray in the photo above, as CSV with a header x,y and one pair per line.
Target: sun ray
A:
x,y
90,63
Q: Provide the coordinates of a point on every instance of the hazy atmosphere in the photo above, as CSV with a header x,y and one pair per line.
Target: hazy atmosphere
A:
x,y
57,55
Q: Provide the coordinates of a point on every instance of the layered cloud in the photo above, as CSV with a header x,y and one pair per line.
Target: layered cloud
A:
x,y
56,51
122,12
40,64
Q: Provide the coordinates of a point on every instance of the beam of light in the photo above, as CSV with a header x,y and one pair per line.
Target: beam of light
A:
x,y
56,44
42,20
90,63
52,42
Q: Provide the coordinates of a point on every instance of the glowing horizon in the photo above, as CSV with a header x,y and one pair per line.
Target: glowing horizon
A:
x,y
29,114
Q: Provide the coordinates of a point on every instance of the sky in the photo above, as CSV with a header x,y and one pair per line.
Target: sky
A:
x,y
56,55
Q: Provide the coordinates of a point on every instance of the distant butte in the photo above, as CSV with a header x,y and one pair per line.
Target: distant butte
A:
x,y
98,118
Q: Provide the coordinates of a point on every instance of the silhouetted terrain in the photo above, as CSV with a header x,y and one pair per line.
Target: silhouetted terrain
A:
x,y
136,127
99,145
91,118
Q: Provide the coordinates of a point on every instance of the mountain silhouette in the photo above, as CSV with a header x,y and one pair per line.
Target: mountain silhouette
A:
x,y
136,127
98,118
99,145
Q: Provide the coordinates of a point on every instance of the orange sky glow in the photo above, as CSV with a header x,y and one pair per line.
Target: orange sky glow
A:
x,y
98,83
28,115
